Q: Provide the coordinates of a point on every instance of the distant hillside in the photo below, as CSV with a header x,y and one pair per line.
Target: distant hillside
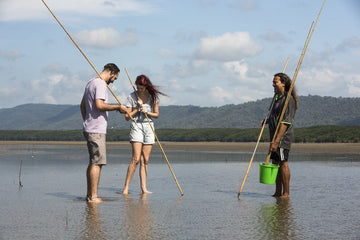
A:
x,y
313,110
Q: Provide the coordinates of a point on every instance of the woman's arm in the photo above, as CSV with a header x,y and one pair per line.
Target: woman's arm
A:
x,y
155,113
132,113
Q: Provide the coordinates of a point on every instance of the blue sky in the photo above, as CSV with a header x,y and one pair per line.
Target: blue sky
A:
x,y
199,52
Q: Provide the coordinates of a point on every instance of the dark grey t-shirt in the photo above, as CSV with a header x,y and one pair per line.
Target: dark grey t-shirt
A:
x,y
287,119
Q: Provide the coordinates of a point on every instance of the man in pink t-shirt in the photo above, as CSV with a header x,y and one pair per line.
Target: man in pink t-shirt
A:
x,y
94,109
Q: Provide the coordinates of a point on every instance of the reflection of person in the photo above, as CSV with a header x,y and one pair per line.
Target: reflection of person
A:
x,y
144,101
94,228
276,221
94,113
137,221
280,147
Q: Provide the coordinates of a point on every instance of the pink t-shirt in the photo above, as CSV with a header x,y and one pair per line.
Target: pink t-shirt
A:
x,y
95,120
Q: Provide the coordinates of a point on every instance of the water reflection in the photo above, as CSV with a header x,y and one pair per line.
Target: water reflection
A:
x,y
138,223
93,229
276,221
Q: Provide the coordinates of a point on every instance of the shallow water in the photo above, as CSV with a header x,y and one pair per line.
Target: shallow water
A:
x,y
324,201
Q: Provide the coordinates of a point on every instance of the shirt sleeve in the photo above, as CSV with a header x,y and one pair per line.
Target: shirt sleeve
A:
x,y
130,101
100,91
290,112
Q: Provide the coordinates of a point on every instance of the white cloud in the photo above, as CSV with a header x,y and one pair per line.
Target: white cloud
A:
x,y
175,85
237,68
55,68
189,37
349,43
274,36
222,96
354,85
20,10
240,72
227,47
106,38
316,81
192,68
327,82
11,54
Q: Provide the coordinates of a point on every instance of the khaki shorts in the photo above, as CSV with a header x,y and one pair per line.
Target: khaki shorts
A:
x,y
96,143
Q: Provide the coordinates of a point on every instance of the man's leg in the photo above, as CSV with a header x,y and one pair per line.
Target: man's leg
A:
x,y
93,178
285,177
278,189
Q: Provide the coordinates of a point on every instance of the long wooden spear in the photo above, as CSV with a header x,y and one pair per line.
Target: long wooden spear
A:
x,y
312,29
261,132
87,59
157,139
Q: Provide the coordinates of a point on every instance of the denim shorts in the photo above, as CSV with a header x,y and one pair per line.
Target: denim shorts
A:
x,y
142,132
96,143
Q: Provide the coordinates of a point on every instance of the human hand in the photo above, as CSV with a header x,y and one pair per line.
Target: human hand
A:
x,y
144,110
140,102
262,123
274,146
124,109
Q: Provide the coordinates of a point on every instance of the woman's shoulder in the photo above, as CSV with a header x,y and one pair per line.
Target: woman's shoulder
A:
x,y
132,95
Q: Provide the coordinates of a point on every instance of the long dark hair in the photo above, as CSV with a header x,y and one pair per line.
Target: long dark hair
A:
x,y
144,80
287,80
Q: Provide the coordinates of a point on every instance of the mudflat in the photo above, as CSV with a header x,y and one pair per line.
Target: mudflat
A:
x,y
216,146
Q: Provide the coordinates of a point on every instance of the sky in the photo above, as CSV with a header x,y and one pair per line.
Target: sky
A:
x,y
206,53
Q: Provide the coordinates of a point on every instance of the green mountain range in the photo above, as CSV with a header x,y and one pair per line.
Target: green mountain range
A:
x,y
313,111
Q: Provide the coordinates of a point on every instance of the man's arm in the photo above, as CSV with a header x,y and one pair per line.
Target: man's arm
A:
x,y
83,109
101,105
275,144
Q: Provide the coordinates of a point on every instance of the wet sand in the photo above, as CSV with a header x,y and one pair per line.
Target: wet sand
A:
x,y
216,146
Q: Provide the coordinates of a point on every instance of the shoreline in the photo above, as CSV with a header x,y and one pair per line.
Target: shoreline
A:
x,y
215,146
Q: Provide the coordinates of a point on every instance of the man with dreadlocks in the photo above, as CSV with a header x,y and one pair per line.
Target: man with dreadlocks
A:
x,y
280,146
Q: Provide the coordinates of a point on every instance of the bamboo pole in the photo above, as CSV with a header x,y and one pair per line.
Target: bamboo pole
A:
x,y
20,184
261,132
157,139
312,29
87,59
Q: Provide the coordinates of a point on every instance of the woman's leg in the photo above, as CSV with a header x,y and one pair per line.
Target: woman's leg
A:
x,y
146,150
136,153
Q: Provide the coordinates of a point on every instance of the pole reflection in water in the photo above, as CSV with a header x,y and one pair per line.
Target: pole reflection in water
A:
x,y
276,221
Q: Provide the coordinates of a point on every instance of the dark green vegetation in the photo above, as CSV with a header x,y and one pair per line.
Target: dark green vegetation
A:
x,y
318,119
346,134
313,111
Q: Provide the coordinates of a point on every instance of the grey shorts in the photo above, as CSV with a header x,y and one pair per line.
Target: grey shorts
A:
x,y
142,132
281,155
96,143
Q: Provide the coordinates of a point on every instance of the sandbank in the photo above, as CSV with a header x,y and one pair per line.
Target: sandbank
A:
x,y
215,146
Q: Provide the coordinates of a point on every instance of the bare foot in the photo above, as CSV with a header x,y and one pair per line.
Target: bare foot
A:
x,y
285,196
146,192
276,195
125,192
94,200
